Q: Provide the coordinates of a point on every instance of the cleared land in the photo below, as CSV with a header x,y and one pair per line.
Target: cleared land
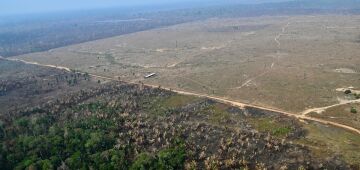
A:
x,y
304,116
288,63
99,121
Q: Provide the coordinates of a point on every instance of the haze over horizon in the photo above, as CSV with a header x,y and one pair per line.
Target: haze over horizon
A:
x,y
44,6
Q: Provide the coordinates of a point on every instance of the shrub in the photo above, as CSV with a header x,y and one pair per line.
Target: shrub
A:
x,y
347,91
357,96
281,131
353,110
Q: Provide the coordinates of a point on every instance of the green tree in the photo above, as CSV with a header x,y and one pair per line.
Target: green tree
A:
x,y
75,161
22,123
353,110
46,164
172,158
2,130
143,162
94,142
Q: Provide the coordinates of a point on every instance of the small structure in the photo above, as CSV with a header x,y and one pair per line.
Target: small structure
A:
x,y
150,75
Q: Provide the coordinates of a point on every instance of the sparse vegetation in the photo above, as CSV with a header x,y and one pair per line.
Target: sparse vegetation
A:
x,y
277,128
112,126
33,34
229,72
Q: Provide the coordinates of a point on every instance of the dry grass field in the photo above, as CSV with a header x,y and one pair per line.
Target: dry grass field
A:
x,y
291,63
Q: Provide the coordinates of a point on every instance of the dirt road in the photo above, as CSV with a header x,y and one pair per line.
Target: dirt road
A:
x,y
220,99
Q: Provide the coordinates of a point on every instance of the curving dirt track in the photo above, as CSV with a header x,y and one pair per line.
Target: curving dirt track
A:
x,y
322,109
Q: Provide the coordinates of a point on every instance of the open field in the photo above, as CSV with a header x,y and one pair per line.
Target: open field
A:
x,y
288,63
24,34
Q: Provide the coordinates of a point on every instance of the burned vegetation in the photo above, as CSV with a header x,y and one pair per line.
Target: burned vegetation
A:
x,y
24,85
121,126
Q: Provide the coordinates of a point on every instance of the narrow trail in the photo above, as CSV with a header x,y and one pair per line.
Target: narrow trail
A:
x,y
283,29
174,65
36,63
247,82
219,99
276,39
322,109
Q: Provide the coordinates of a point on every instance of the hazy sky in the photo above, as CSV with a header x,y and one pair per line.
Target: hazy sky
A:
x,y
9,7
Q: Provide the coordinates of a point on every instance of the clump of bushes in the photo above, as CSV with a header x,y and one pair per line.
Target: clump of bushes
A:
x,y
353,110
172,158
347,91
357,96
